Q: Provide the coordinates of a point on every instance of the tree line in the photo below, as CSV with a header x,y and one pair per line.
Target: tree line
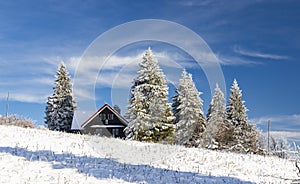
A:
x,y
153,119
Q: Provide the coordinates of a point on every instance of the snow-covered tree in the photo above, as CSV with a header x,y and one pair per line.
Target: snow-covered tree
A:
x,y
218,132
60,105
245,135
236,109
136,115
187,108
149,103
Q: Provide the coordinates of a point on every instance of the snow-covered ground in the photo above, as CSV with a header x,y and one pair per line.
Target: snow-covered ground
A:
x,y
42,156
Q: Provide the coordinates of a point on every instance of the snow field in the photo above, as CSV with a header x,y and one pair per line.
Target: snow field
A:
x,y
42,156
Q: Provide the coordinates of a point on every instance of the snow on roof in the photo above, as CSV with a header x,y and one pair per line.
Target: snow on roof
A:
x,y
107,126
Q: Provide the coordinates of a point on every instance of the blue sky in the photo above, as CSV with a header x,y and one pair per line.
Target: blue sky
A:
x,y
256,42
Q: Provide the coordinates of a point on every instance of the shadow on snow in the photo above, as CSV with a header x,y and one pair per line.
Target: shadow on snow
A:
x,y
107,168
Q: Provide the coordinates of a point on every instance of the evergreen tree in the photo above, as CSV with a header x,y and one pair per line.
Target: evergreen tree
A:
x,y
117,108
136,115
245,136
149,103
60,105
187,108
218,133
236,109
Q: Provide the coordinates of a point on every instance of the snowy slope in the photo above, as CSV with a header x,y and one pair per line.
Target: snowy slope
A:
x,y
42,156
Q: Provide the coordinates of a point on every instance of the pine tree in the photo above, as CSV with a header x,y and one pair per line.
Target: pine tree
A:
x,y
236,109
218,132
149,103
245,136
136,115
187,108
60,105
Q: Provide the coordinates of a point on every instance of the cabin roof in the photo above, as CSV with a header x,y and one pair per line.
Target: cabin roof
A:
x,y
123,120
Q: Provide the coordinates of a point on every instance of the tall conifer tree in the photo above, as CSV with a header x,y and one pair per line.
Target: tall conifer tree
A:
x,y
236,109
218,132
60,105
153,110
245,135
187,108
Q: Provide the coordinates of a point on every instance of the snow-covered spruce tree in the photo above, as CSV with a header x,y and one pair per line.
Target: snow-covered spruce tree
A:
x,y
236,109
149,111
218,133
245,136
187,108
136,115
60,105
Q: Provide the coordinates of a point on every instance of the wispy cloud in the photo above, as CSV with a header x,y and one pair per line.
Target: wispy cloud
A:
x,y
291,136
119,71
255,54
195,3
281,125
34,82
287,119
27,81
115,62
236,61
221,5
286,126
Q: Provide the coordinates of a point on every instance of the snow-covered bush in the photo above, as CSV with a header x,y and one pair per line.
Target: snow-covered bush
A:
x,y
15,120
297,164
280,147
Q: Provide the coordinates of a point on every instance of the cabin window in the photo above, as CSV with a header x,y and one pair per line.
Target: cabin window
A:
x,y
106,121
115,132
110,116
102,116
106,116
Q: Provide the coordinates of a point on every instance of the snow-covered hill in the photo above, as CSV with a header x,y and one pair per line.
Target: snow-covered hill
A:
x,y
42,156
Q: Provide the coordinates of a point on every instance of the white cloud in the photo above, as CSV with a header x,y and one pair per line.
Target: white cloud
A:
x,y
116,80
259,54
116,62
290,119
119,71
216,4
24,95
286,126
29,80
232,60
35,82
195,3
291,136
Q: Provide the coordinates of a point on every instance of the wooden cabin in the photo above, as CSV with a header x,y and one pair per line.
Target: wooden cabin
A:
x,y
106,121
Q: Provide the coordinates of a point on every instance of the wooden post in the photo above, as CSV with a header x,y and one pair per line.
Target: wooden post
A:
x,y
268,137
6,113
